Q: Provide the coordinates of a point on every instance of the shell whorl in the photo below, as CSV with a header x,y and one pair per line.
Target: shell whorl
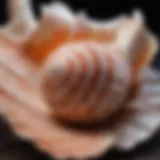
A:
x,y
86,81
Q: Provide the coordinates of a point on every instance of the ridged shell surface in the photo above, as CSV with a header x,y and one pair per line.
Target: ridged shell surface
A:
x,y
86,81
22,105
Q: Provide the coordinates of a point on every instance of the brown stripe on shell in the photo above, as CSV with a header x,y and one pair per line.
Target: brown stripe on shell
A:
x,y
95,75
72,89
82,109
119,86
78,98
56,89
132,91
76,87
95,82
63,81
75,102
110,69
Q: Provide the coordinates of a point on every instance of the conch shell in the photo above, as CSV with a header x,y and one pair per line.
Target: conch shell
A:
x,y
110,81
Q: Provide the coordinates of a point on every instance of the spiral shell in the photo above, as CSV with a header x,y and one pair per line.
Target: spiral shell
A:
x,y
84,78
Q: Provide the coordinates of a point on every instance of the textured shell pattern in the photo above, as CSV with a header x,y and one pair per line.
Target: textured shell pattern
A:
x,y
86,81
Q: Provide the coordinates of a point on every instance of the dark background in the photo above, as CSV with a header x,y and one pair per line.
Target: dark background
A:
x,y
12,148
101,9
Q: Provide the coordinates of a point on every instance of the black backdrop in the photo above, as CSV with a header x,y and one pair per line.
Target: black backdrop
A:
x,y
11,148
101,9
